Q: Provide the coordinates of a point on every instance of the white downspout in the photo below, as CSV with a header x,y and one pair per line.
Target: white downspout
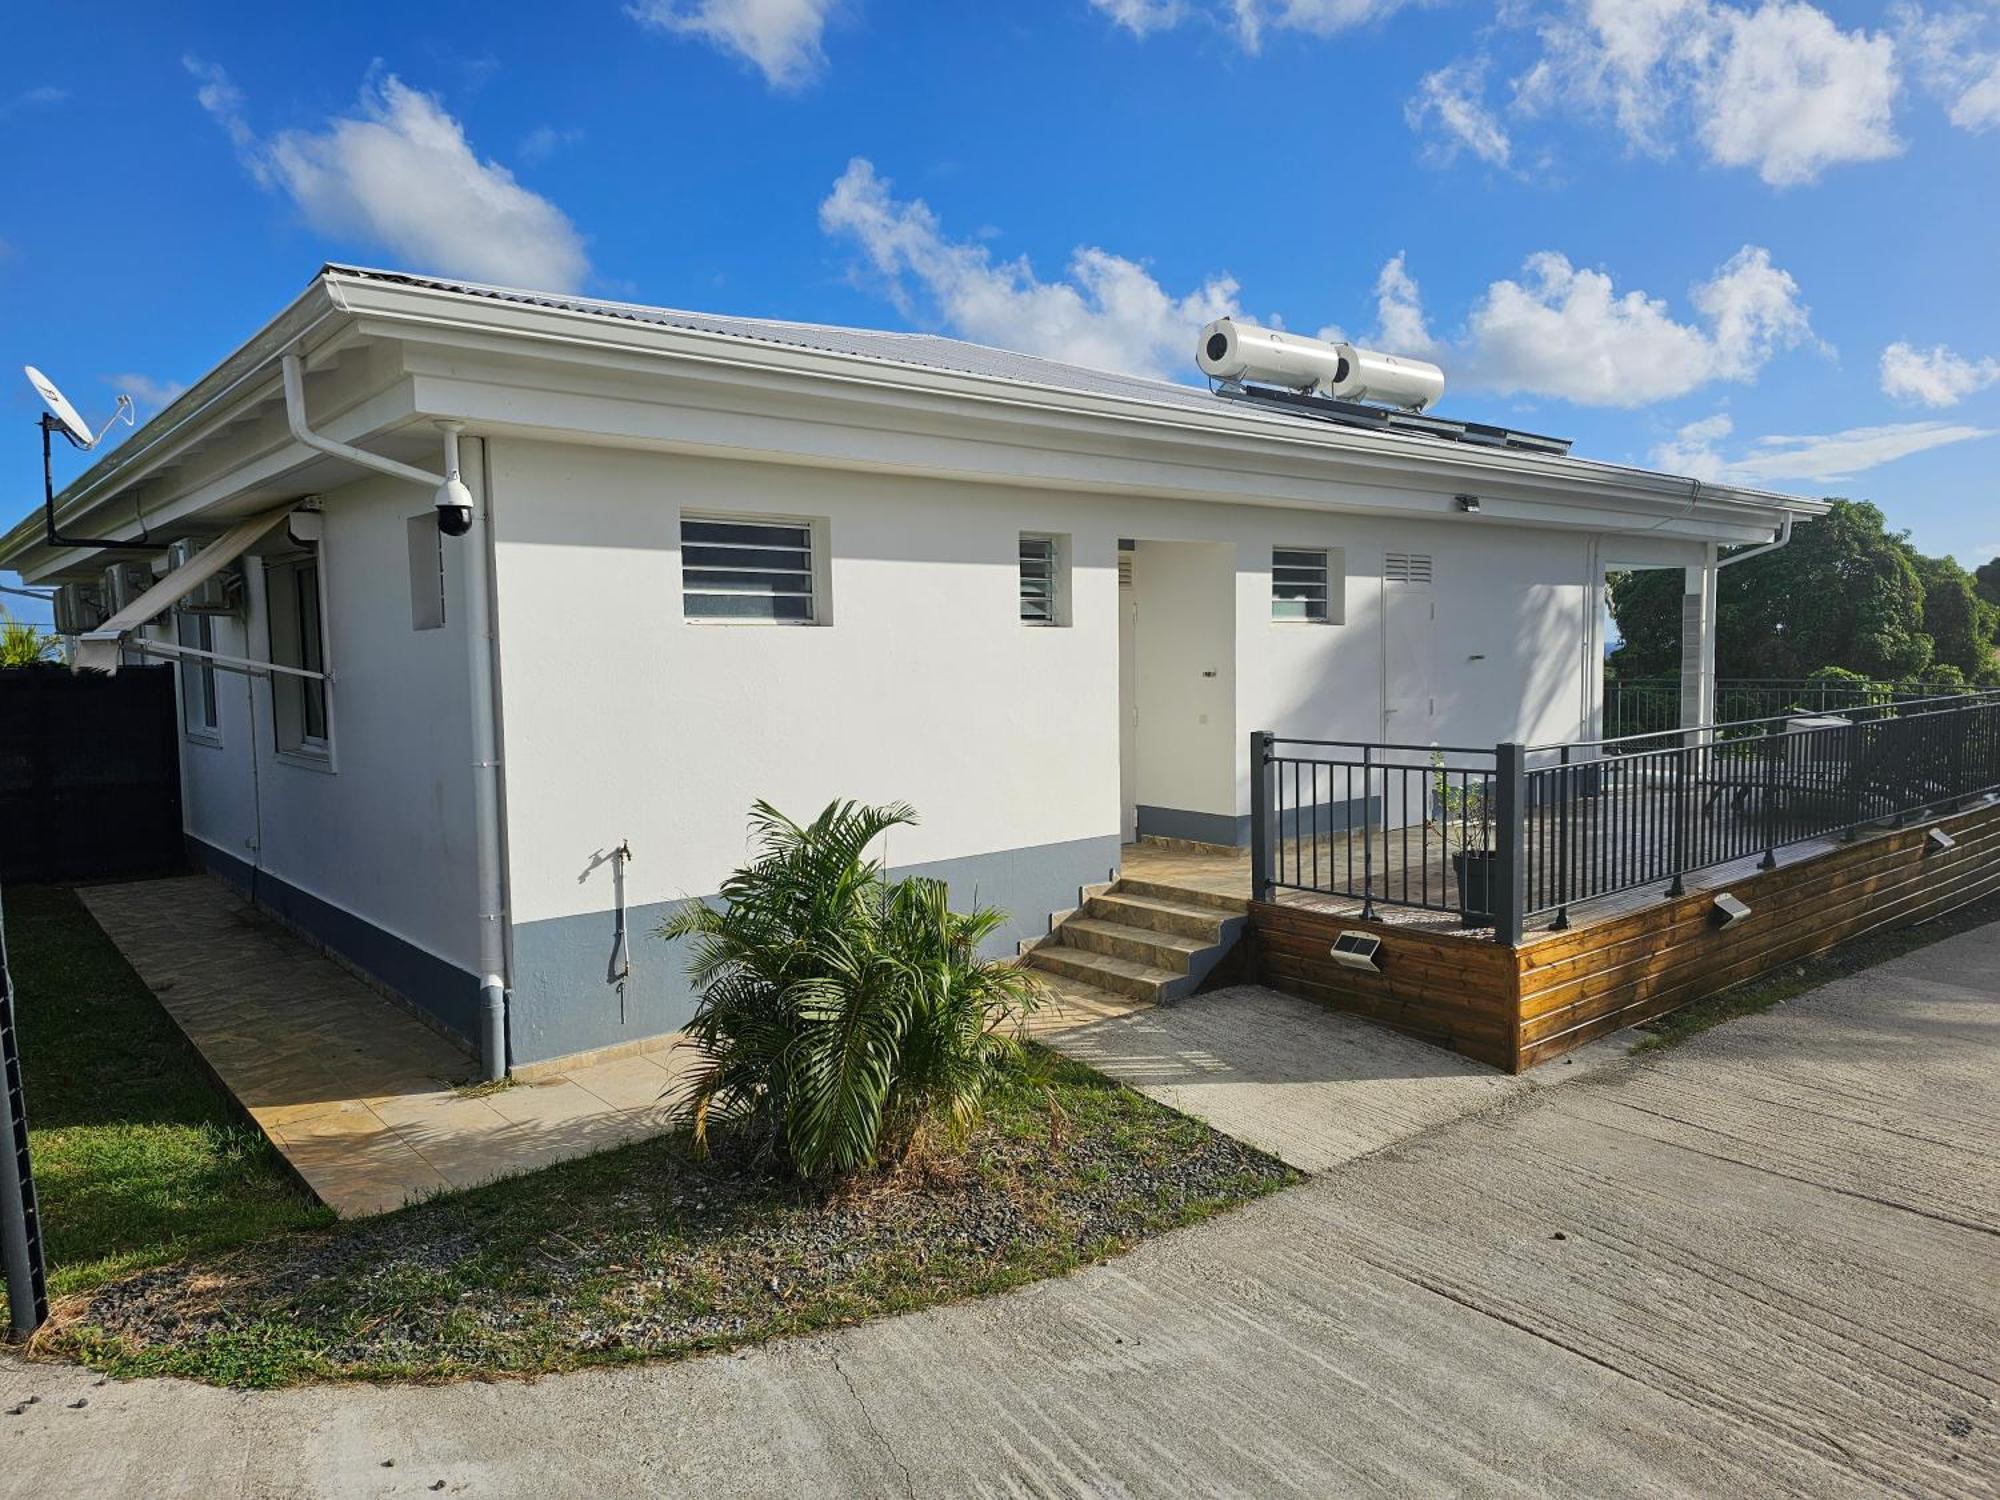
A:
x,y
453,493
1784,536
295,419
485,770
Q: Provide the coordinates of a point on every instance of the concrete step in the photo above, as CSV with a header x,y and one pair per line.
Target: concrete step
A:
x,y
1164,891
1070,1003
1121,976
1186,919
1144,945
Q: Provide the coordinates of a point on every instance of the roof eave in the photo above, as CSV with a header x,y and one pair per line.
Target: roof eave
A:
x,y
184,421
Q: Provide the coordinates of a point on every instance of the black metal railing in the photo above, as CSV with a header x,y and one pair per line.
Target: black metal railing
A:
x,y
1371,822
1504,834
1652,705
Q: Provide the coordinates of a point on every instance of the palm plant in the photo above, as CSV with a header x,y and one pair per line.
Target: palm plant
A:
x,y
22,644
836,1009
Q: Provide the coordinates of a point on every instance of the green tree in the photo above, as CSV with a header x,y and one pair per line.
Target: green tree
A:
x,y
1986,578
1959,622
1845,593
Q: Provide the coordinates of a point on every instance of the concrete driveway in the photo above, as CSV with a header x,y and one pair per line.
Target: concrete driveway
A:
x,y
1765,1263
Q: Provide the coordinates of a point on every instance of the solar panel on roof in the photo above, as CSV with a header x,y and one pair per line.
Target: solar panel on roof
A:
x,y
1383,419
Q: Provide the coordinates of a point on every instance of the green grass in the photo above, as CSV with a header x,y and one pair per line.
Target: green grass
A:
x,y
181,1245
139,1157
651,1252
1793,980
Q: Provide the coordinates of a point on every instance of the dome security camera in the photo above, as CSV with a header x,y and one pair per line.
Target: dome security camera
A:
x,y
454,506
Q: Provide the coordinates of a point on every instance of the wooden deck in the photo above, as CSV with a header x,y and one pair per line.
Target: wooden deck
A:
x,y
1623,959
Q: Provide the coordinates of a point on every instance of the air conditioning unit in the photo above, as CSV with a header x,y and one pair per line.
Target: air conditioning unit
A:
x,y
78,607
124,581
220,595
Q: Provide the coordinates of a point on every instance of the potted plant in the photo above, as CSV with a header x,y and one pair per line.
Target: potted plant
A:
x,y
1459,813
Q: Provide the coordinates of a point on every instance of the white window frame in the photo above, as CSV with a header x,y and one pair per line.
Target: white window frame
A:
x,y
818,567
290,695
1058,544
1336,583
198,678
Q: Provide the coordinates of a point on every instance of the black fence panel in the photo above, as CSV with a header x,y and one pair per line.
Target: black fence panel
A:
x,y
90,785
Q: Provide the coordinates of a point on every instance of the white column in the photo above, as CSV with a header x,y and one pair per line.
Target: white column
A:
x,y
1698,643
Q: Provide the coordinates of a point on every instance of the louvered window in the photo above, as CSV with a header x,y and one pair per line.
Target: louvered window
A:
x,y
1407,567
1300,585
747,570
1041,580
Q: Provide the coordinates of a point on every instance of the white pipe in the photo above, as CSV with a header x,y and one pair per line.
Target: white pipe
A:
x,y
485,733
216,659
485,774
1784,536
295,419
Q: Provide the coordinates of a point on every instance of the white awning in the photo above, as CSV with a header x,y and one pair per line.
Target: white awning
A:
x,y
97,650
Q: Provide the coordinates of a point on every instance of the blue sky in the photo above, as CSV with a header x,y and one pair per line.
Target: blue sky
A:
x,y
1744,241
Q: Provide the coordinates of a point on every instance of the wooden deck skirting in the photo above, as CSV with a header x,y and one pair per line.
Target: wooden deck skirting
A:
x,y
1514,1007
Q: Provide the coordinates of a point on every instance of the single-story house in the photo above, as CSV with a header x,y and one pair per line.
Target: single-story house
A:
x,y
691,561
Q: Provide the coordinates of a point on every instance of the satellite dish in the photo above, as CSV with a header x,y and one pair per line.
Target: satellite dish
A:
x,y
73,426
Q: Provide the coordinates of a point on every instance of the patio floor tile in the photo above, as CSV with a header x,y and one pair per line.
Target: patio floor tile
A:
x,y
357,1093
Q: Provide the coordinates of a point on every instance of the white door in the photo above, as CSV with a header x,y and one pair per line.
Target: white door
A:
x,y
1409,622
1128,704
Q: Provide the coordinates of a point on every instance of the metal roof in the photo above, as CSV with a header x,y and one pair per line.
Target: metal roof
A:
x,y
927,350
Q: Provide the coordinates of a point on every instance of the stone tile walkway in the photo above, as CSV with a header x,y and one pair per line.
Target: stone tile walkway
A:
x,y
365,1101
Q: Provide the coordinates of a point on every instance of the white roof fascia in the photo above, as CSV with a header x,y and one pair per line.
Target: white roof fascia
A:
x,y
399,307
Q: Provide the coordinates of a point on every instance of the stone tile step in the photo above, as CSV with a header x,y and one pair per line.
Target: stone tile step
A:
x,y
1144,945
1167,891
1185,918
1121,976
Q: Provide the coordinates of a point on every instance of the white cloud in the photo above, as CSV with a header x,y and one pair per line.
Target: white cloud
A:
x,y
781,38
1143,17
399,173
1567,332
544,141
1818,459
42,96
1248,20
1957,57
1109,313
147,392
1450,102
1792,94
1934,376
1780,88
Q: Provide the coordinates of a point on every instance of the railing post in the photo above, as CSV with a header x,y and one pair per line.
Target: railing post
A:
x,y
1368,830
1566,827
1510,787
1263,776
1677,836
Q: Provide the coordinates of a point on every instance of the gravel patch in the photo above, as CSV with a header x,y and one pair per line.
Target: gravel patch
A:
x,y
652,1252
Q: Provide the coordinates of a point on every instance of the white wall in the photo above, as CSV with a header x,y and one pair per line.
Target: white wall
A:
x,y
625,721
384,832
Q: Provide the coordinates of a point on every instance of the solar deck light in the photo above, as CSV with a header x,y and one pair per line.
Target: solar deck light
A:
x,y
1356,950
1940,840
1729,909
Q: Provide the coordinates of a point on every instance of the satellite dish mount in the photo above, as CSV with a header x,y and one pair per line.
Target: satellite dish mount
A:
x,y
60,416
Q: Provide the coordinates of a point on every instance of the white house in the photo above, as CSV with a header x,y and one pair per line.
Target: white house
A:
x,y
720,559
